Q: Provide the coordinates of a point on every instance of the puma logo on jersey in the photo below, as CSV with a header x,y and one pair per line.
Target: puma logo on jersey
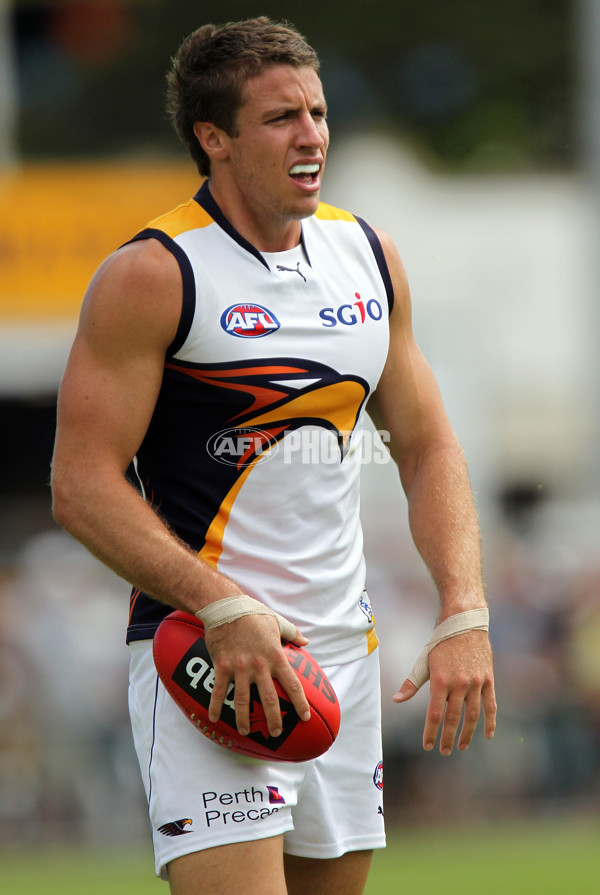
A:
x,y
249,321
295,269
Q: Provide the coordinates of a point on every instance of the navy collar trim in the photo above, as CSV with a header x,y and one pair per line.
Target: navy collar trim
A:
x,y
204,198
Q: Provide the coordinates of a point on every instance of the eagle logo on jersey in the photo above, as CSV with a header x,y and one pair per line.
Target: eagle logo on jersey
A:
x,y
271,395
279,396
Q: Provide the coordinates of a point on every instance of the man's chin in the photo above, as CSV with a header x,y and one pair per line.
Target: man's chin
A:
x,y
307,207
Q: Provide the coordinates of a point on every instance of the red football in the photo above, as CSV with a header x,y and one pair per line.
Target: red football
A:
x,y
185,668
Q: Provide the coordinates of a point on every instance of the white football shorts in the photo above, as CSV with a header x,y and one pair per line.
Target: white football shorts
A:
x,y
201,795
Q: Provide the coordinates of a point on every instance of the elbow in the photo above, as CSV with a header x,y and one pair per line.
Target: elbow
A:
x,y
60,507
64,510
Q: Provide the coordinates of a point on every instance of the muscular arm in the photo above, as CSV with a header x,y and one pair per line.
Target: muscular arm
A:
x,y
443,522
107,396
129,318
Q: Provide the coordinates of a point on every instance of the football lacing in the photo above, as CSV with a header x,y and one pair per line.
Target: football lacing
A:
x,y
210,732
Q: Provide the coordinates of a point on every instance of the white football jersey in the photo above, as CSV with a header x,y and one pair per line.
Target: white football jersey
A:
x,y
253,452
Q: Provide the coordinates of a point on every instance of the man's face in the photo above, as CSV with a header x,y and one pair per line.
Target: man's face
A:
x,y
278,156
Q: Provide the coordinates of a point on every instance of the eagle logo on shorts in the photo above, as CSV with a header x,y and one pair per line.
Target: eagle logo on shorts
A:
x,y
176,827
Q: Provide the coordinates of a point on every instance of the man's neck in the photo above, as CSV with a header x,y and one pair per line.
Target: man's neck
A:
x,y
266,234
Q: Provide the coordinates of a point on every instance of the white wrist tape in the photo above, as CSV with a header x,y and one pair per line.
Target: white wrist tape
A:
x,y
221,612
471,620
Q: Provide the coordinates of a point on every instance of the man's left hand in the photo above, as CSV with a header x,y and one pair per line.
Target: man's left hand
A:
x,y
461,674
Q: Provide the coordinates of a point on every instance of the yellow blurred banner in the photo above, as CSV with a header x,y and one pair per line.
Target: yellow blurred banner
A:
x,y
59,221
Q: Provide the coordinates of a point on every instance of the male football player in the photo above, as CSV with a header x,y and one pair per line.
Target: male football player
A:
x,y
255,311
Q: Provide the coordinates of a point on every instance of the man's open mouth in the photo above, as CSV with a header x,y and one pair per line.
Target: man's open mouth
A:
x,y
305,173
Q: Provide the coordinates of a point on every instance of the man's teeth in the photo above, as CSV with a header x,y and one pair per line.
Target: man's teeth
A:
x,y
305,169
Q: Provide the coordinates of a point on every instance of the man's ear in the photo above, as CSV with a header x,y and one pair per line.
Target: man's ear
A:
x,y
213,140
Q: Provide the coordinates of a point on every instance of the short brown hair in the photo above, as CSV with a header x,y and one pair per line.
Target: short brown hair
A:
x,y
208,73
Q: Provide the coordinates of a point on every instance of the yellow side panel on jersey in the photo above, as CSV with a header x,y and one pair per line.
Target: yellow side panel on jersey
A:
x,y
372,641
213,546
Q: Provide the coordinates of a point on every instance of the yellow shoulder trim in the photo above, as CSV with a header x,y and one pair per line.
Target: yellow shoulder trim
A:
x,y
188,216
330,213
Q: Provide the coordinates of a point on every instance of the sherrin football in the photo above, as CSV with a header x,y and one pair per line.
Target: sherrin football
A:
x,y
186,670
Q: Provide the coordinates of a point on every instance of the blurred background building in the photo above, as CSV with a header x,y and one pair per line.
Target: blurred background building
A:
x,y
469,131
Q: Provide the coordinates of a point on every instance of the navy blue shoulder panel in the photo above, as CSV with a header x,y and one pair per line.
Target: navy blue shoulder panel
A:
x,y
189,284
380,258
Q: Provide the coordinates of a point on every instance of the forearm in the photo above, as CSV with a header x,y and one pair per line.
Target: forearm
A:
x,y
113,521
444,525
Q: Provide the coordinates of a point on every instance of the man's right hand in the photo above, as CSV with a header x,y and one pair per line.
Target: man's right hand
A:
x,y
249,651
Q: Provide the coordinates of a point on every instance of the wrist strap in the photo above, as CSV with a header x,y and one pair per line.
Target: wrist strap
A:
x,y
221,612
471,620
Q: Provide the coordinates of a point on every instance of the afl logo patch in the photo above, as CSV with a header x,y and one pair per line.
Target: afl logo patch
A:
x,y
378,776
249,321
239,447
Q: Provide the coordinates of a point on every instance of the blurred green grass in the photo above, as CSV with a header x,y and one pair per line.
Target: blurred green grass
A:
x,y
521,859
524,858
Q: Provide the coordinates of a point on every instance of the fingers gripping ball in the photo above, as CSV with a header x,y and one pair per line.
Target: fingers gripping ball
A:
x,y
186,670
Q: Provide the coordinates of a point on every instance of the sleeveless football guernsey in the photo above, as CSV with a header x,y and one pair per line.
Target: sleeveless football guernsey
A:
x,y
253,452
